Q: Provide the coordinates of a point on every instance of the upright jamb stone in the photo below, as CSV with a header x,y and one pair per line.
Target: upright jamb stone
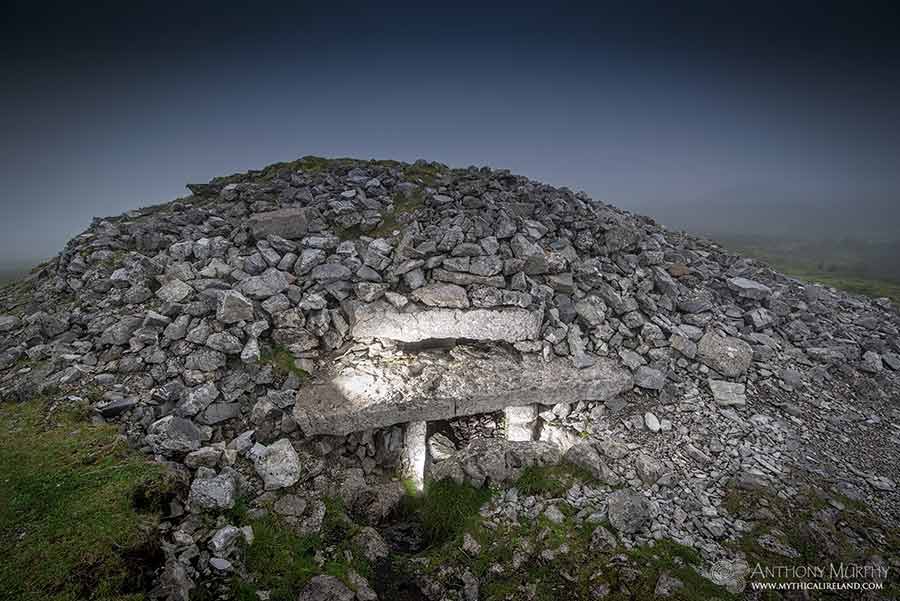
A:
x,y
415,453
521,422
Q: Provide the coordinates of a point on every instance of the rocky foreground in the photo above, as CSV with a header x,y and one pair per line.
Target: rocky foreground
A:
x,y
325,329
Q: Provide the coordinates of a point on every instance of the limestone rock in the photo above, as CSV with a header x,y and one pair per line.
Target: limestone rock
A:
x,y
372,394
629,511
174,291
381,320
326,588
279,466
442,295
749,289
260,287
290,224
211,492
234,307
173,435
729,356
8,323
728,394
649,378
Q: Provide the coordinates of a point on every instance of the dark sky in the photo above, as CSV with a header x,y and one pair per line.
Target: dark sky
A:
x,y
768,117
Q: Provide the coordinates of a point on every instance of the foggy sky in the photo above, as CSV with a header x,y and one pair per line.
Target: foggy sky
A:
x,y
765,119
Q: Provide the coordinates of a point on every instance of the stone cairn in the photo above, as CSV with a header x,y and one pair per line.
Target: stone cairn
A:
x,y
328,326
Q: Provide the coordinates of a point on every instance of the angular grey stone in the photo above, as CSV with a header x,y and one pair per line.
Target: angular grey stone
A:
x,y
369,292
119,333
467,249
329,272
381,320
442,295
224,541
628,511
759,318
174,291
205,359
251,352
9,323
440,447
203,457
621,238
871,362
279,467
276,304
326,588
173,435
892,360
486,265
695,301
197,399
553,514
467,279
219,412
729,356
370,544
683,345
261,287
225,342
492,461
649,378
118,407
290,224
586,456
576,348
220,565
728,394
592,310
155,320
213,493
137,295
749,289
309,258
290,505
603,540
648,469
371,394
234,307
631,359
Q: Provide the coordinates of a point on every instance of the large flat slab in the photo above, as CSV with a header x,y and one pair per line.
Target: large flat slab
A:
x,y
287,223
431,385
381,320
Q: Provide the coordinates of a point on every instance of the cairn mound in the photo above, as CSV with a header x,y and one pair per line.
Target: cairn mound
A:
x,y
342,319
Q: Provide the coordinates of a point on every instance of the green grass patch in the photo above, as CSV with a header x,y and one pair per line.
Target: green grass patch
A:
x,y
823,528
513,563
78,509
279,559
446,508
425,173
551,480
404,204
283,361
282,561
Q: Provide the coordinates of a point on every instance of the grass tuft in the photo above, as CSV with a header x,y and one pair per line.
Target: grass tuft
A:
x,y
446,508
282,561
551,480
283,361
78,509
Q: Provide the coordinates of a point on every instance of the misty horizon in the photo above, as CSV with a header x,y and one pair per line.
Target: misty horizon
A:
x,y
776,121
